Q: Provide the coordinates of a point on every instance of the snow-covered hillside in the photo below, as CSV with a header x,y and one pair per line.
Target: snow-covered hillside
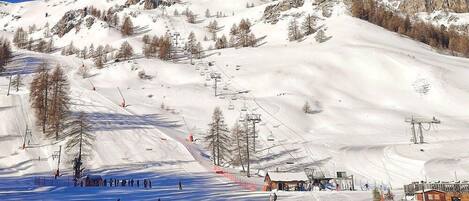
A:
x,y
362,84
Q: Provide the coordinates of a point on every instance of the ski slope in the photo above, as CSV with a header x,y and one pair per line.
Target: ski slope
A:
x,y
362,84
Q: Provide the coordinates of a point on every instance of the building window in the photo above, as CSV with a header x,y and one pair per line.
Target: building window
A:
x,y
430,197
436,197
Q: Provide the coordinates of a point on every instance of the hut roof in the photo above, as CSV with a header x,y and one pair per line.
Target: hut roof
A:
x,y
287,176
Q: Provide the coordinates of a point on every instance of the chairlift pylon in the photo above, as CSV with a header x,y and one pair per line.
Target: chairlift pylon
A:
x,y
270,138
244,108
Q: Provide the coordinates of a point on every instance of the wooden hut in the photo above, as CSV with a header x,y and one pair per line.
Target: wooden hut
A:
x,y
430,195
286,181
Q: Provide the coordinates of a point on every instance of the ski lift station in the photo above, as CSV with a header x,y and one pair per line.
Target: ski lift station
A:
x,y
287,181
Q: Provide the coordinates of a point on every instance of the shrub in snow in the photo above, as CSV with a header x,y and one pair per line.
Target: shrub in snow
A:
x,y
142,75
321,37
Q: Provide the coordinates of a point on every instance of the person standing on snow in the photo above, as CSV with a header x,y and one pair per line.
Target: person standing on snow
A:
x,y
180,185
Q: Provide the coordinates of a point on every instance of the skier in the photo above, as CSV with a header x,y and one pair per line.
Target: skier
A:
x,y
275,196
138,183
149,183
132,182
145,183
180,185
105,182
366,186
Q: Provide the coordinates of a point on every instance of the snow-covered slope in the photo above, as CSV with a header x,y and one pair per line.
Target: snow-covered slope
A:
x,y
362,84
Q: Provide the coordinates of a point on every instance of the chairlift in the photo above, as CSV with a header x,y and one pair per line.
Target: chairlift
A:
x,y
221,97
290,162
244,108
270,138
207,78
241,118
202,73
234,98
231,106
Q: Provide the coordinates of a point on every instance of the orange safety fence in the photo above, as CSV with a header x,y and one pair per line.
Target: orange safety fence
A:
x,y
235,178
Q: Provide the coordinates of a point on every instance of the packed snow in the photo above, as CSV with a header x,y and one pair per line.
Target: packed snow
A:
x,y
362,84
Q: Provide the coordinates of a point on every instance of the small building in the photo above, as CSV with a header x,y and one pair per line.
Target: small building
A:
x,y
456,191
287,181
430,195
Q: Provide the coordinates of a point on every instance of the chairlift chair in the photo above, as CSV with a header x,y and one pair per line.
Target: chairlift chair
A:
x,y
290,162
221,97
270,138
244,108
234,98
202,73
241,118
231,106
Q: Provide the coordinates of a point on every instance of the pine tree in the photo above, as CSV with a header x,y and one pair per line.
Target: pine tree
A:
x,y
149,4
146,39
29,44
321,36
127,28
98,61
358,9
199,50
376,194
126,51
80,141
91,51
58,108
49,46
165,44
309,25
238,134
191,17
307,108
221,42
47,30
20,38
217,137
5,53
192,45
83,70
41,46
84,52
17,82
39,95
294,32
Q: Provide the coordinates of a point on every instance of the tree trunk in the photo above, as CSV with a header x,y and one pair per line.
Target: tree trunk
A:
x,y
44,118
218,143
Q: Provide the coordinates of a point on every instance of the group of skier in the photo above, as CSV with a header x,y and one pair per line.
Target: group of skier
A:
x,y
128,182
